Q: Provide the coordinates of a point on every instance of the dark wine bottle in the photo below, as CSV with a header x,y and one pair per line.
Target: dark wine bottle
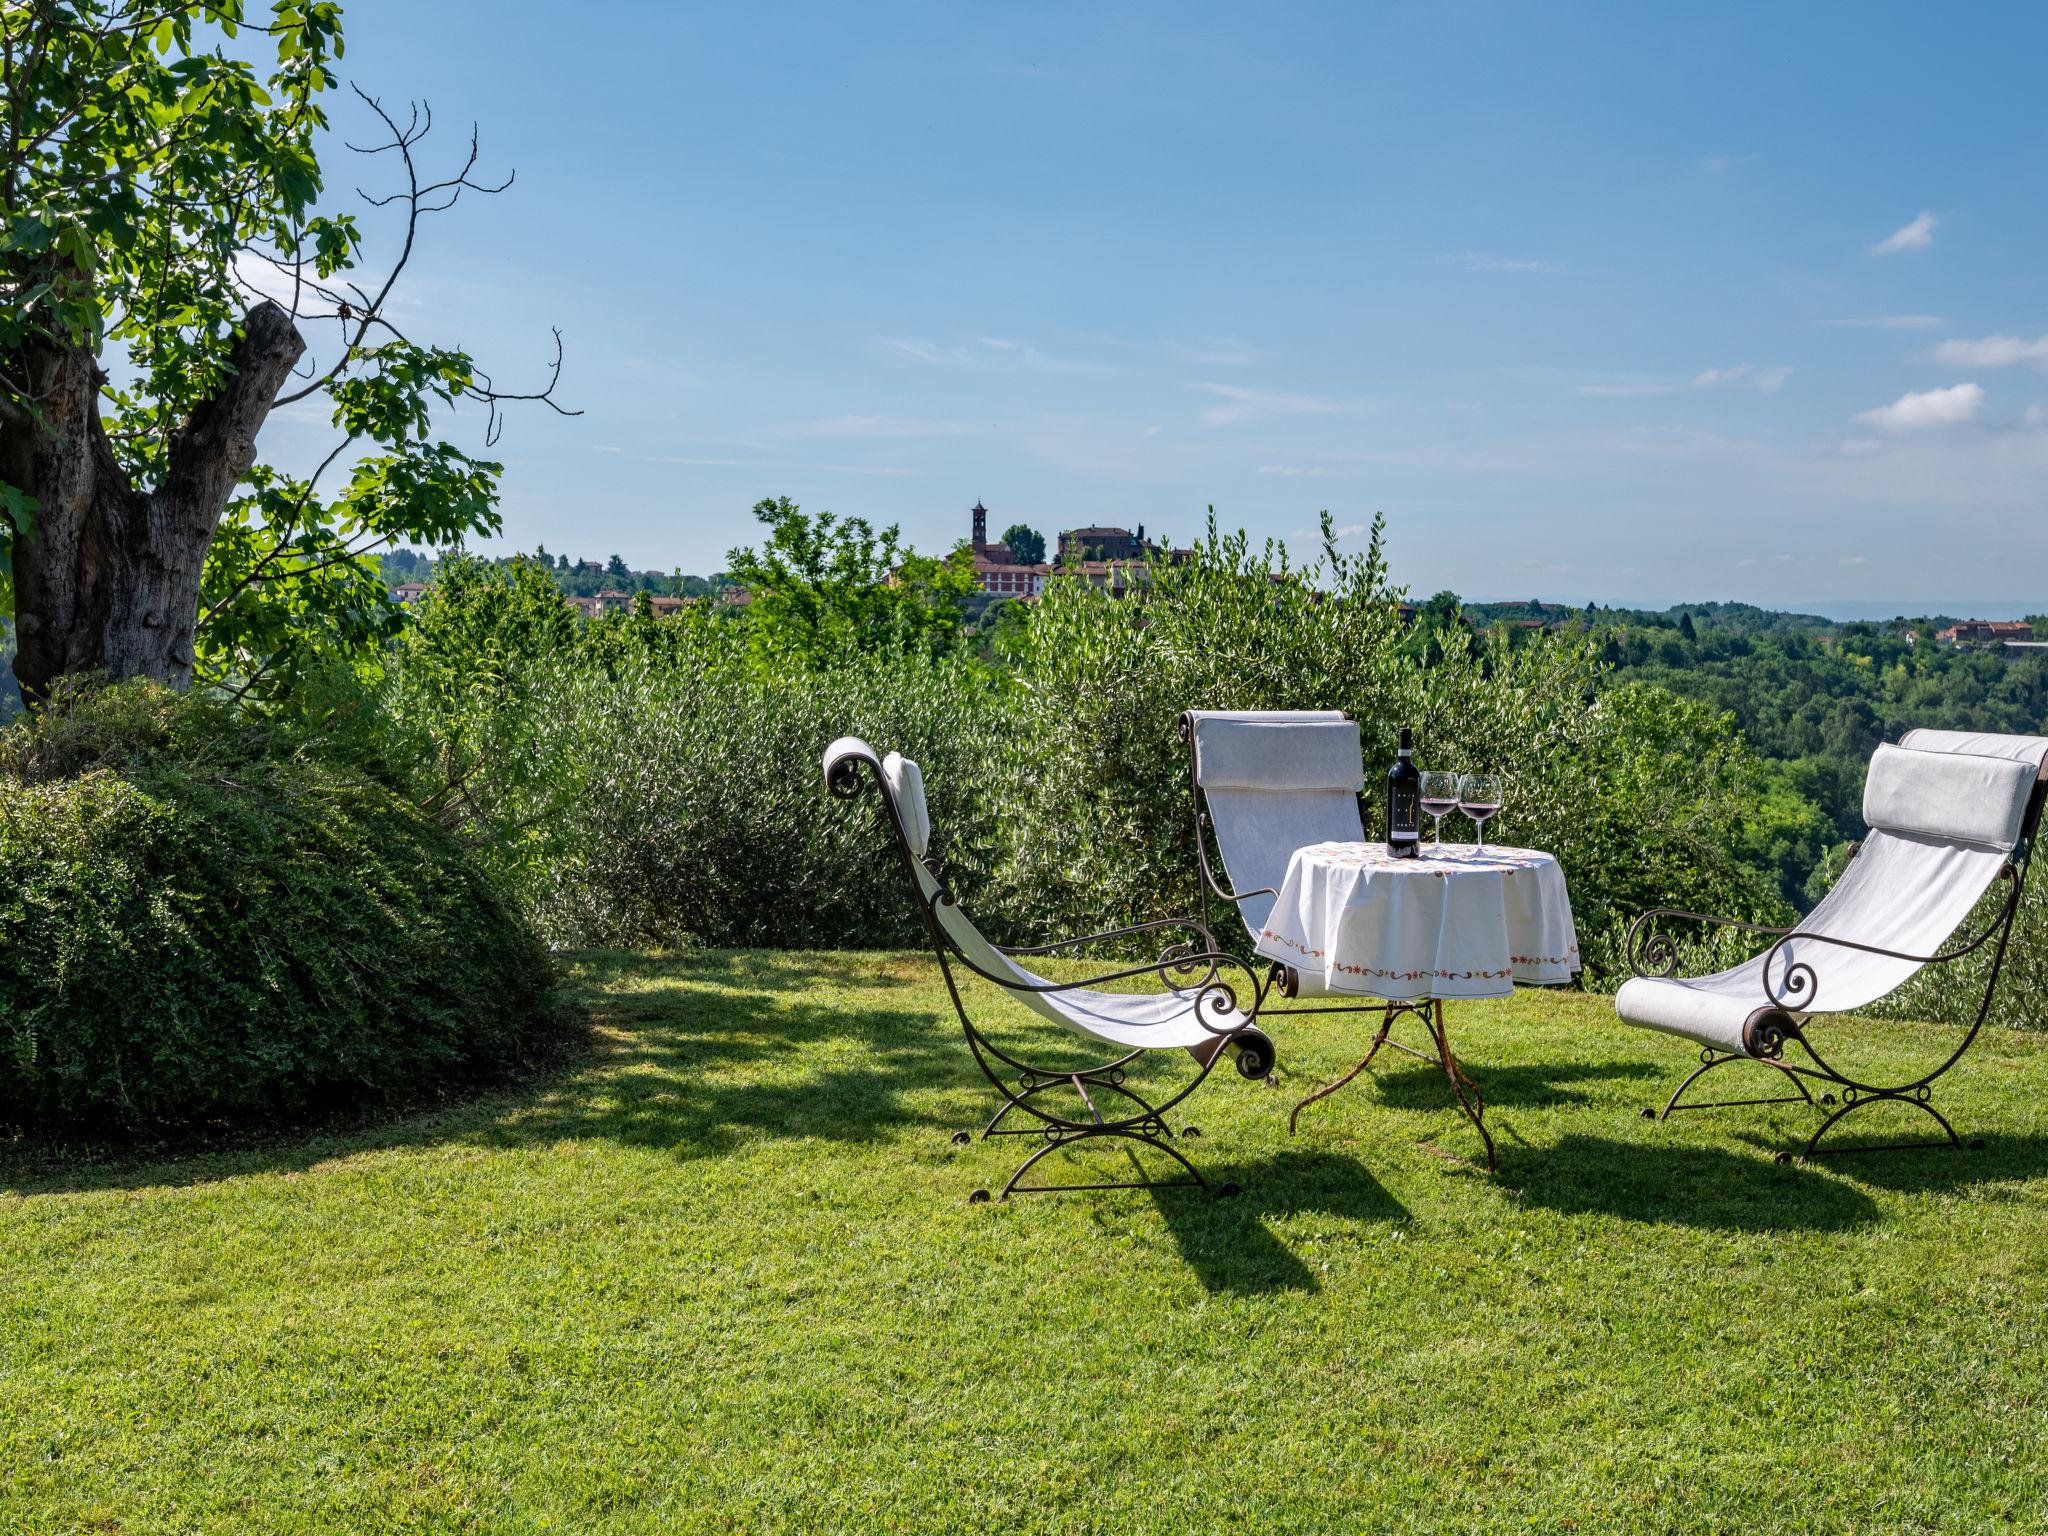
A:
x,y
1404,802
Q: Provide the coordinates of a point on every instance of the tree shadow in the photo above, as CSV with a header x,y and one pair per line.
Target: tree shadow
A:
x,y
1667,1185
692,1069
1227,1243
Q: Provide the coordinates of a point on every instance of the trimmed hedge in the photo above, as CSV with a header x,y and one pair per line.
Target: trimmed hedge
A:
x,y
198,922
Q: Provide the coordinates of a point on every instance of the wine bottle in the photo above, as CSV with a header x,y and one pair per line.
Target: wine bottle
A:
x,y
1404,802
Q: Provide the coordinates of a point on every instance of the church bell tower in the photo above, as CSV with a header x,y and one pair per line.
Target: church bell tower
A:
x,y
980,524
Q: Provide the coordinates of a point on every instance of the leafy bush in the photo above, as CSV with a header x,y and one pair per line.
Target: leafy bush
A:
x,y
641,782
1638,793
199,919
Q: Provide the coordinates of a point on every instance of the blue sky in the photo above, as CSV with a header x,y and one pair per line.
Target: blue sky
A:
x,y
1592,302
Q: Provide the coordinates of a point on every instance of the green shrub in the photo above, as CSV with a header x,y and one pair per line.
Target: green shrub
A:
x,y
1641,795
650,782
198,921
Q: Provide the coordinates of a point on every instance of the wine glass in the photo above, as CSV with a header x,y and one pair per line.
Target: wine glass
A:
x,y
1439,798
1479,796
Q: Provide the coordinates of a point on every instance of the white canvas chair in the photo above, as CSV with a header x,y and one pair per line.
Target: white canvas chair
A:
x,y
1266,783
1950,813
1200,1012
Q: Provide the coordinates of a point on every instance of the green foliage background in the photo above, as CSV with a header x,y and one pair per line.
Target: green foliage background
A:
x,y
641,781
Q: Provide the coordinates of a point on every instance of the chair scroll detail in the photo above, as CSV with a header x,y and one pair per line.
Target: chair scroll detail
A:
x,y
1952,815
1205,1011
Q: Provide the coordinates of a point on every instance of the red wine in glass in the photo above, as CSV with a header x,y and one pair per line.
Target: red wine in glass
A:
x,y
1479,796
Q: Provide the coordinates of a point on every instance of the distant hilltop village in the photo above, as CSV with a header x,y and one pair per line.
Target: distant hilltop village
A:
x,y
1115,558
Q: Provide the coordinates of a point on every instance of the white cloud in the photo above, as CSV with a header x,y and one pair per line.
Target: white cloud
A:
x,y
930,352
1890,323
1341,531
1488,261
1853,560
1916,236
1247,404
1917,410
890,427
1994,352
1290,471
1720,165
1622,391
986,352
1218,352
1766,380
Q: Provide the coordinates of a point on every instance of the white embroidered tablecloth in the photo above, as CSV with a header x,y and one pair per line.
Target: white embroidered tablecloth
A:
x,y
1459,921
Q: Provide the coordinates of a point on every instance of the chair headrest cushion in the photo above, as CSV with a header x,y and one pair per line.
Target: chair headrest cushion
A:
x,y
906,788
1956,796
1278,755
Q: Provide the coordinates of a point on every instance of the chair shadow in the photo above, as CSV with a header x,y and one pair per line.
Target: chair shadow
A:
x,y
1227,1243
1420,1085
1690,1186
1934,1167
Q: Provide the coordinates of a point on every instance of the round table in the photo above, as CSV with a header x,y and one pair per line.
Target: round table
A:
x,y
1457,921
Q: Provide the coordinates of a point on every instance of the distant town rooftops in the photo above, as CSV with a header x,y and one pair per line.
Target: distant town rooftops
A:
x,y
1986,632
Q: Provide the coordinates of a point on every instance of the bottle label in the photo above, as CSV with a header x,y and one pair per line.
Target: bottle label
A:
x,y
1404,814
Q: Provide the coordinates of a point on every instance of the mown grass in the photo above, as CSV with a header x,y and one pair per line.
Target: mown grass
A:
x,y
722,1275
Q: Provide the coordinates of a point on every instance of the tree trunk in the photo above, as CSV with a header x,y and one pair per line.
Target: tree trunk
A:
x,y
107,579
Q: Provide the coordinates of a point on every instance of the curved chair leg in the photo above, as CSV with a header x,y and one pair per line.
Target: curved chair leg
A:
x,y
1109,1078
1710,1059
1855,1101
1056,1143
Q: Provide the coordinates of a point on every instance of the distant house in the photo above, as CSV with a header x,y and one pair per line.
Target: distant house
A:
x,y
409,592
1985,632
1006,579
1080,546
611,600
735,597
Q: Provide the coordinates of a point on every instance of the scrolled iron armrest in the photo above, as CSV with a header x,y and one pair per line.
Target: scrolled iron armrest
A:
x,y
1656,954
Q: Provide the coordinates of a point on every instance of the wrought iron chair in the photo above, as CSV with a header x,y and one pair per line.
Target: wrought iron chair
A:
x,y
1951,814
1199,1013
1266,783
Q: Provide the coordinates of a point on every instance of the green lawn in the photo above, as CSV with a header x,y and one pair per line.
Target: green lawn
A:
x,y
722,1275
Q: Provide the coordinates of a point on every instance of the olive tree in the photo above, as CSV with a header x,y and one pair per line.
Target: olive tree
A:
x,y
169,279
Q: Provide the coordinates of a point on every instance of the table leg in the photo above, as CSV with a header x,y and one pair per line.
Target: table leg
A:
x,y
1470,1099
1378,1040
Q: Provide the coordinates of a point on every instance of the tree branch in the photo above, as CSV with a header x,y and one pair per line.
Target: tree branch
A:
x,y
217,443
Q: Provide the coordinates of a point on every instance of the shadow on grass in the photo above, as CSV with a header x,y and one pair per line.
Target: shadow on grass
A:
x,y
1681,1186
1227,1242
1418,1085
1928,1165
688,1068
